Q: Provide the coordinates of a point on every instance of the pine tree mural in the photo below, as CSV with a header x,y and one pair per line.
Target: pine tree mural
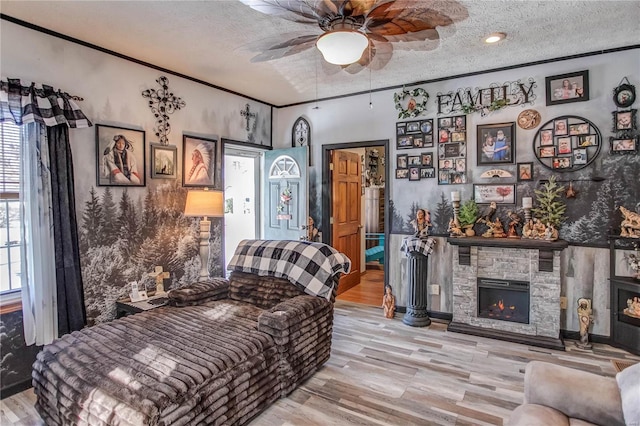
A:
x,y
92,223
128,221
442,215
397,223
109,233
150,213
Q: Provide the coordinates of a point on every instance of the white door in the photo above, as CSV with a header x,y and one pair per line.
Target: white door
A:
x,y
242,197
285,208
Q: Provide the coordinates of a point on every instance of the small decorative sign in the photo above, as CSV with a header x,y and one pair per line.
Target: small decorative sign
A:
x,y
496,173
494,97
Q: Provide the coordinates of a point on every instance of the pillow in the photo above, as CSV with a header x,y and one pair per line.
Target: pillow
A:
x,y
629,385
263,292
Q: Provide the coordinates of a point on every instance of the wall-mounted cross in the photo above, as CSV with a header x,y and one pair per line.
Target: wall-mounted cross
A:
x,y
247,114
160,276
162,103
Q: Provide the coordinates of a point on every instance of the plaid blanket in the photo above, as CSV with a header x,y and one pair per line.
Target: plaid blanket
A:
x,y
307,265
414,244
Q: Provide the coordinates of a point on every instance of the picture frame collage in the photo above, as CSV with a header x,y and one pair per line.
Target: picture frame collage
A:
x,y
567,143
121,158
452,150
625,142
413,135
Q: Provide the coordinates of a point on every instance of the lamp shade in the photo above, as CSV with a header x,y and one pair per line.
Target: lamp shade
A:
x,y
204,204
342,47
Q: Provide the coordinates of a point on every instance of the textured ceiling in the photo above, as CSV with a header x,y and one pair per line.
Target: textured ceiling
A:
x,y
213,41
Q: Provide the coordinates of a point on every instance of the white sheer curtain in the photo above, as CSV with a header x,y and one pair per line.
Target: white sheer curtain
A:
x,y
38,277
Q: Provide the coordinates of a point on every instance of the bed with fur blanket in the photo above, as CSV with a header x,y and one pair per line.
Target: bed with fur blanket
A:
x,y
219,354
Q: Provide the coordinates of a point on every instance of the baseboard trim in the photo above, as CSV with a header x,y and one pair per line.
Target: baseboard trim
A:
x,y
444,316
15,388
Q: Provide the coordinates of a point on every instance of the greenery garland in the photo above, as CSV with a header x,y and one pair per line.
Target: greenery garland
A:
x,y
493,106
417,109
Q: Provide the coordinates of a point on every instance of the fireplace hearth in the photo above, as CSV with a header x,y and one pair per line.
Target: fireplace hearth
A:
x,y
503,300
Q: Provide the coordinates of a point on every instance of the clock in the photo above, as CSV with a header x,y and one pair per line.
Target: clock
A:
x,y
301,133
624,95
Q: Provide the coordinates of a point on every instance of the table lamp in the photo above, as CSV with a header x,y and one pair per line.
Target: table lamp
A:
x,y
204,204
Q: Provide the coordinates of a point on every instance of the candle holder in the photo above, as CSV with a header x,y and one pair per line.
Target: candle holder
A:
x,y
455,229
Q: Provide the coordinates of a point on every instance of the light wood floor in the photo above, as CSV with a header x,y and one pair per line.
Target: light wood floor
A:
x,y
383,372
369,291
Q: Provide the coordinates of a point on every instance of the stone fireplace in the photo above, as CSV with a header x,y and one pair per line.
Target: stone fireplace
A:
x,y
508,289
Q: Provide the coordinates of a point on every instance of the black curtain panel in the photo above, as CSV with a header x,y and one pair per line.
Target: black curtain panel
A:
x,y
71,310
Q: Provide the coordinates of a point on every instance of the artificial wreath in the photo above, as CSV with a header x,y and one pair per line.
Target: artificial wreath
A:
x,y
414,108
285,199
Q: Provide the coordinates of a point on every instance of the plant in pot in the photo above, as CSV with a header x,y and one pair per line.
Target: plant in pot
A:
x,y
468,216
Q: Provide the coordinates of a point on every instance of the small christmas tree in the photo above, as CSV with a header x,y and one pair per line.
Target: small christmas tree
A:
x,y
468,213
550,208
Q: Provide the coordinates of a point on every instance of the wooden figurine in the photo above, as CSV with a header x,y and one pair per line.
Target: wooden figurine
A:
x,y
159,275
585,317
388,302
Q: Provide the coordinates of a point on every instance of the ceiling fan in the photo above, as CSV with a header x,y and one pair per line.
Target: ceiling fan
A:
x,y
355,34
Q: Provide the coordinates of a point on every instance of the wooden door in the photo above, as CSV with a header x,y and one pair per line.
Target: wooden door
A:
x,y
286,185
346,201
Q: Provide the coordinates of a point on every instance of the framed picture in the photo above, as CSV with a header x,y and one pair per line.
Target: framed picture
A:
x,y
427,173
444,122
561,162
460,123
418,142
443,177
564,145
458,136
164,161
624,145
624,120
461,165
580,156
198,161
427,159
402,173
500,193
120,156
413,127
443,136
401,161
579,129
496,143
546,137
414,173
560,127
451,150
414,160
426,126
404,142
525,172
547,151
624,95
566,88
401,129
588,140
445,165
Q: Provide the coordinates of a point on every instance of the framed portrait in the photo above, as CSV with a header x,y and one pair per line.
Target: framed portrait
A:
x,y
458,136
443,136
401,161
547,151
624,120
588,140
561,162
427,141
427,173
404,142
164,161
444,122
566,88
445,164
426,126
624,95
427,159
560,127
413,127
461,165
624,145
402,173
418,142
546,137
443,177
414,173
500,193
579,129
525,172
414,160
456,178
496,143
198,161
401,129
580,156
460,123
120,156
564,145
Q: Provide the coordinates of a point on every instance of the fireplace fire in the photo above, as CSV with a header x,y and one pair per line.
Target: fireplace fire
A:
x,y
503,300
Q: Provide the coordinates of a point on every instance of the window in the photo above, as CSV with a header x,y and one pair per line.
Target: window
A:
x,y
9,207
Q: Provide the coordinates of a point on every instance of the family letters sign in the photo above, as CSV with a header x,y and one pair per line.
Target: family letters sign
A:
x,y
514,92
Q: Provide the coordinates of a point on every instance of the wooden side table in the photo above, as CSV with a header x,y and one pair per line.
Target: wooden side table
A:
x,y
126,307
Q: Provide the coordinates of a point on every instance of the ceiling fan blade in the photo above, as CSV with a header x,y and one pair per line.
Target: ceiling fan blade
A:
x,y
381,53
283,50
403,16
356,7
301,11
423,35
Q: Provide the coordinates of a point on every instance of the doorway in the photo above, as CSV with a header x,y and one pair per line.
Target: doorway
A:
x,y
242,173
372,249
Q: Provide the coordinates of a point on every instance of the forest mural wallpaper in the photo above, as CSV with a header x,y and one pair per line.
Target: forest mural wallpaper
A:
x,y
122,239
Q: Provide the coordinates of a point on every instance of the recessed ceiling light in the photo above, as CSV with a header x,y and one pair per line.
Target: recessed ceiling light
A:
x,y
495,37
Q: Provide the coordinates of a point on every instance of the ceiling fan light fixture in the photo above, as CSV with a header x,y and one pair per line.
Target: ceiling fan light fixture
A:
x,y
495,37
342,47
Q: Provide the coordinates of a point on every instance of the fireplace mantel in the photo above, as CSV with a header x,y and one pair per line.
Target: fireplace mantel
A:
x,y
545,248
